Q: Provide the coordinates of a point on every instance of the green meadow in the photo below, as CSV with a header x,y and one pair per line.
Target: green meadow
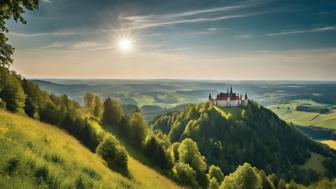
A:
x,y
38,155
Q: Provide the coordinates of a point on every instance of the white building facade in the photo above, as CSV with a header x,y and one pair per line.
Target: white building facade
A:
x,y
229,99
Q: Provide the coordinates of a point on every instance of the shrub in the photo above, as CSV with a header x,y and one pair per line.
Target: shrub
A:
x,y
155,151
245,177
185,174
215,172
114,154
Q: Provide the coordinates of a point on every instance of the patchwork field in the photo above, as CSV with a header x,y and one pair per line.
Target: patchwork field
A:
x,y
291,113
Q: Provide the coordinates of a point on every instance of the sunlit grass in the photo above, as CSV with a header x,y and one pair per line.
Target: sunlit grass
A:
x,y
37,155
330,143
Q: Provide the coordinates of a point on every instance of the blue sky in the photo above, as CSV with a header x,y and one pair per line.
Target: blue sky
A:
x,y
186,39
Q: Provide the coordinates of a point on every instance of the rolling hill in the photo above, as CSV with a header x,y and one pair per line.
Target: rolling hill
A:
x,y
38,155
230,136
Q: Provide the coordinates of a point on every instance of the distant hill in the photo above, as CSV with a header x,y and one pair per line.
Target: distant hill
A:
x,y
230,136
38,155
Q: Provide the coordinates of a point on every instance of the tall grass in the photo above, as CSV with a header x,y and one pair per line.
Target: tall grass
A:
x,y
36,155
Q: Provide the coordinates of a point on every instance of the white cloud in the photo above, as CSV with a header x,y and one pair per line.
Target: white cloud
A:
x,y
56,45
313,30
193,16
85,45
18,34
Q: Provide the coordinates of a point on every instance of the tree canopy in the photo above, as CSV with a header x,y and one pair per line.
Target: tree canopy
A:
x,y
11,9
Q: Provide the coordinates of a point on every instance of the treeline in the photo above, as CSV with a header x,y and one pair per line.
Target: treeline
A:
x,y
229,137
21,96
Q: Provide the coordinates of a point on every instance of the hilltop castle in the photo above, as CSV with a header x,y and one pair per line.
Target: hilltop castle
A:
x,y
229,99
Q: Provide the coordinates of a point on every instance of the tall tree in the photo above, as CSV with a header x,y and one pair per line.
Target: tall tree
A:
x,y
113,112
189,154
89,101
98,107
138,128
11,91
11,9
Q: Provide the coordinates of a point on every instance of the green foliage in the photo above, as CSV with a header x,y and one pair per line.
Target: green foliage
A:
x,y
114,154
245,177
11,91
186,174
113,112
324,184
11,9
213,184
93,104
155,151
189,154
138,129
230,136
215,172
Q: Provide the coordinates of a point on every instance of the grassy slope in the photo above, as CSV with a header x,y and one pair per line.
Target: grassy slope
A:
x,y
35,154
327,120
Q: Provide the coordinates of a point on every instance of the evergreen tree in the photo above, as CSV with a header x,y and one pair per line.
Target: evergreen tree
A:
x,y
113,112
138,128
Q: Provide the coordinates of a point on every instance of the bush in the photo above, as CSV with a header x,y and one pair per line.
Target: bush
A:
x,y
114,154
245,177
155,151
215,172
186,174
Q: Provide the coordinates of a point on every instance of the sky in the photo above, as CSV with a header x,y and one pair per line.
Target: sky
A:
x,y
178,39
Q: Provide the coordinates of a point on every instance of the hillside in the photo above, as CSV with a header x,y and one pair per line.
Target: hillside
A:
x,y
230,136
38,155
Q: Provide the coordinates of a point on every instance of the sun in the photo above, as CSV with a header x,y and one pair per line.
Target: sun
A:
x,y
125,44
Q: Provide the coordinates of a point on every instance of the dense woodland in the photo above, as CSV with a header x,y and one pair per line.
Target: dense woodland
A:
x,y
228,137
